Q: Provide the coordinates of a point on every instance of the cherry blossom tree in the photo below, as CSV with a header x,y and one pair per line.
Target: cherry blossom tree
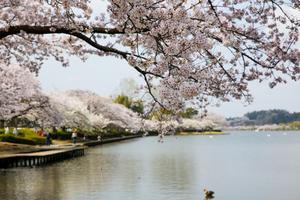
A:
x,y
48,115
20,92
218,121
74,112
88,111
117,114
188,51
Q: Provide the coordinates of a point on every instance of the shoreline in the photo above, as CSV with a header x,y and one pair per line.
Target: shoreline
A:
x,y
212,132
28,156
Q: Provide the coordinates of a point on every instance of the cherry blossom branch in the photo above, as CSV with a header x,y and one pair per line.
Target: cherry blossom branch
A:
x,y
41,30
150,91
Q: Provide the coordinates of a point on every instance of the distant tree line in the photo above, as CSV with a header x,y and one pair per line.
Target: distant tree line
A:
x,y
274,116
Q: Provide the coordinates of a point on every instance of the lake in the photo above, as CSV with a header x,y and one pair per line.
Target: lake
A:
x,y
239,166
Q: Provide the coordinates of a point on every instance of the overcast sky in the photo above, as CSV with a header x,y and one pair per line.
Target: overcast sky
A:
x,y
103,75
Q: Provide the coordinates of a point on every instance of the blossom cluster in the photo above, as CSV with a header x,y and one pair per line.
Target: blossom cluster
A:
x,y
87,111
189,51
20,91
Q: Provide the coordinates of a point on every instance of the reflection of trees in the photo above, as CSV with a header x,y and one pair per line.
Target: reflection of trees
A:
x,y
119,173
33,184
140,170
6,184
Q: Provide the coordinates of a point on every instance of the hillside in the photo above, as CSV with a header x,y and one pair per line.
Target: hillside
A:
x,y
262,117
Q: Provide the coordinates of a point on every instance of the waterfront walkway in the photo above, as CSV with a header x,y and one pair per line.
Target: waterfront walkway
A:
x,y
53,153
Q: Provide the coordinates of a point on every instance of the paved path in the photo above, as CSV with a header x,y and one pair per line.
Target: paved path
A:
x,y
46,154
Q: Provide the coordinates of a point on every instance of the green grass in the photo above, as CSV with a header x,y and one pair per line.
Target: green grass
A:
x,y
25,136
203,133
28,136
294,125
26,132
34,140
2,130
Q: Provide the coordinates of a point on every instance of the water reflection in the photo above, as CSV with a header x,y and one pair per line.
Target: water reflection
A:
x,y
237,166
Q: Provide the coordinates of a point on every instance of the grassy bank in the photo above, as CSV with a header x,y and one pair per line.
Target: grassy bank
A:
x,y
201,133
29,136
25,136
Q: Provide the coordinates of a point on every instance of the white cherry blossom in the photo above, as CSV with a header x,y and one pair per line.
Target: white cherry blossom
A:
x,y
20,92
188,50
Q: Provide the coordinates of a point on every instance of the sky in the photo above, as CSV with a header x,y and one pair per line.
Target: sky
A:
x,y
103,75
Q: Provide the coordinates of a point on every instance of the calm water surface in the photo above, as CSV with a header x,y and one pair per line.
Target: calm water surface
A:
x,y
239,166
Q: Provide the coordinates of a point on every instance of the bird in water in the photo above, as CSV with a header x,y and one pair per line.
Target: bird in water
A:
x,y
208,194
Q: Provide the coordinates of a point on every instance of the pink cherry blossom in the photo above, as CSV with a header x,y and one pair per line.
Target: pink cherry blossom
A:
x,y
20,91
188,51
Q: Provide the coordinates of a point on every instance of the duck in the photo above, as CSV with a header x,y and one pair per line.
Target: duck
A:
x,y
208,194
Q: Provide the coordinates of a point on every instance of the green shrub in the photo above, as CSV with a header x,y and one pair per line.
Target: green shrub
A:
x,y
61,135
2,130
22,140
294,125
26,132
38,140
25,136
